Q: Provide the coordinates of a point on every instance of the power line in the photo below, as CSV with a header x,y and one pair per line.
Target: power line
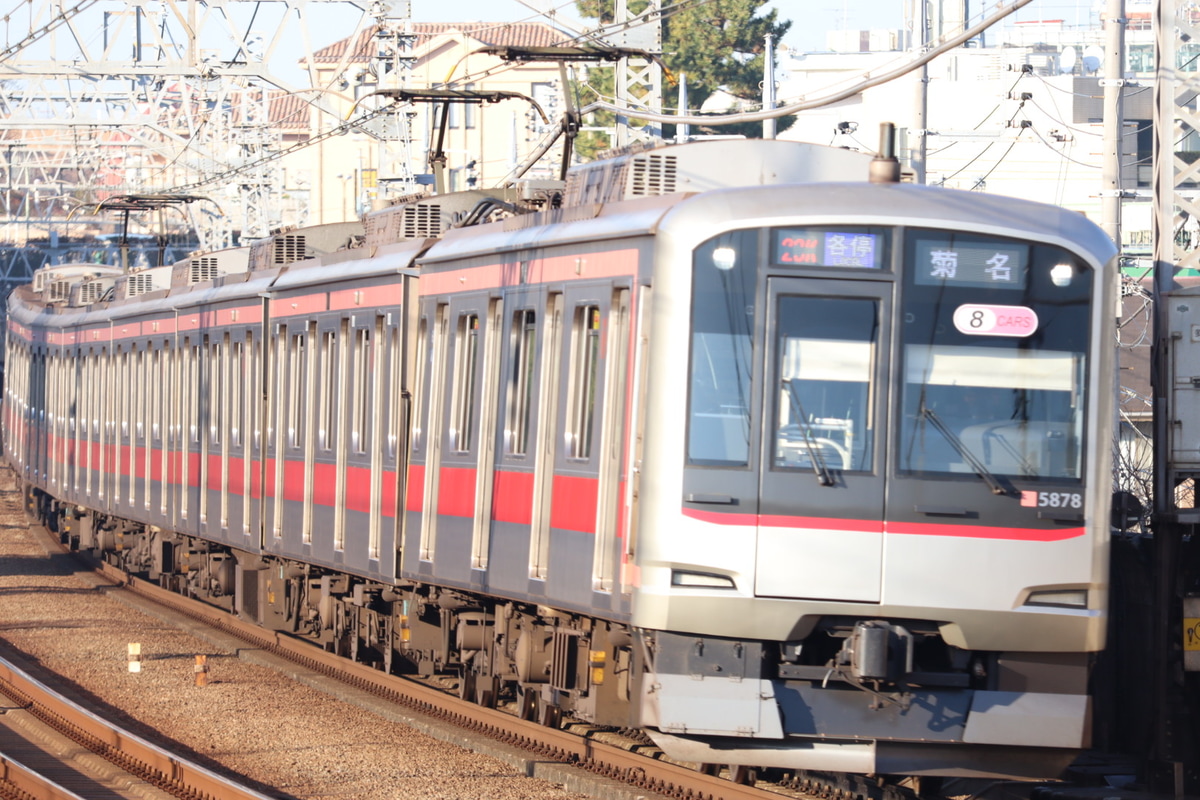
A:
x,y
793,108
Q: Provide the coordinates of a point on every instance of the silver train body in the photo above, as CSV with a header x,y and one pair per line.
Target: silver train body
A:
x,y
788,468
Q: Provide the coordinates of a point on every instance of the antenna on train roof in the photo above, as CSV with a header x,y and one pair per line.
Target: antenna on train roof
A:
x,y
885,167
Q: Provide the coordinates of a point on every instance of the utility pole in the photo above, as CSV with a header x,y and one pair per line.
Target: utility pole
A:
x,y
639,79
1171,750
920,43
769,126
1114,118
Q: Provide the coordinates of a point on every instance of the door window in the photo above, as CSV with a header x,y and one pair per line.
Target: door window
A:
x,y
826,351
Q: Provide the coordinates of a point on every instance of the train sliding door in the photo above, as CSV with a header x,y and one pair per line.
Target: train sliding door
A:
x,y
821,495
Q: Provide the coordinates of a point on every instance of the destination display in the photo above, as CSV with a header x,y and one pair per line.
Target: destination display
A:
x,y
823,247
970,261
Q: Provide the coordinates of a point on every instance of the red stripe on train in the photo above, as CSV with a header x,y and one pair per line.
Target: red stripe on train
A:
x,y
456,492
877,526
512,497
573,503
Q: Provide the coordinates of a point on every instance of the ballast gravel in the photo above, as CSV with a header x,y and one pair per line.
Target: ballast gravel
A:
x,y
282,737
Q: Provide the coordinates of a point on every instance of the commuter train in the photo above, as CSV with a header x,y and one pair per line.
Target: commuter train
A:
x,y
784,462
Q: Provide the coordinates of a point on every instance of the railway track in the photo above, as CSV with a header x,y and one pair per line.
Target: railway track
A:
x,y
563,745
55,749
606,755
611,755
576,748
612,759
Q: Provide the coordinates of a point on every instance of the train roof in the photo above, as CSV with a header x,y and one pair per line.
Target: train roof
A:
x,y
685,192
891,204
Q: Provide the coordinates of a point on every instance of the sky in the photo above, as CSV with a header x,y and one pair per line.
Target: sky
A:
x,y
811,19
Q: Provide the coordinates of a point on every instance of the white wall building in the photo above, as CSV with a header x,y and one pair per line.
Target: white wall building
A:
x,y
1023,118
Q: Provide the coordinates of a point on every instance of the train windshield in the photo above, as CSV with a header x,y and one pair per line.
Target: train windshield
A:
x,y
994,343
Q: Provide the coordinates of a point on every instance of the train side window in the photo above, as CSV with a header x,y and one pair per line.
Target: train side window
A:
x,y
295,387
616,351
308,436
347,380
166,419
193,392
585,362
250,421
237,388
362,381
253,408
466,358
325,432
138,389
216,389
436,389
374,416
521,386
103,404
120,426
395,401
424,366
543,469
282,430
486,461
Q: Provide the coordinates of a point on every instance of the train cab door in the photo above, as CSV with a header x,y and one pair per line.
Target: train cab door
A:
x,y
821,485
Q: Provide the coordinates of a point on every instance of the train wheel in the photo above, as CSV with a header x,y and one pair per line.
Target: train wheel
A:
x,y
466,686
527,699
551,716
743,775
487,690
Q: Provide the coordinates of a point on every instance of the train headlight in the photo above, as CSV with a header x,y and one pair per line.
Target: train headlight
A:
x,y
724,258
1062,598
1062,274
701,580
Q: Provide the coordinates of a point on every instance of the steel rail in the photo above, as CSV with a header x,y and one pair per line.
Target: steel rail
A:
x,y
563,746
137,756
19,782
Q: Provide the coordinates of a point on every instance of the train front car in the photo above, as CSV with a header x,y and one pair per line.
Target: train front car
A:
x,y
874,508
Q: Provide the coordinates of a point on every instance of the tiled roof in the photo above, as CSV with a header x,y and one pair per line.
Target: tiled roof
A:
x,y
495,34
289,111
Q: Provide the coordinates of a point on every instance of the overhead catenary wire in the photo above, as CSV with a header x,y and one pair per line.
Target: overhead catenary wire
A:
x,y
803,105
1061,154
978,183
1000,13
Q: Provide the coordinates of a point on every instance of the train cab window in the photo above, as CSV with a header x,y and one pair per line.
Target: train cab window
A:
x,y
826,351
520,406
724,271
467,356
584,374
995,340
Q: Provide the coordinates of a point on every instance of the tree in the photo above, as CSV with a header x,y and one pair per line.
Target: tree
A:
x,y
719,44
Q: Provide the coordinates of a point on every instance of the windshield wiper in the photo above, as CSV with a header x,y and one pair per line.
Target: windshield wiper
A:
x,y
964,451
824,476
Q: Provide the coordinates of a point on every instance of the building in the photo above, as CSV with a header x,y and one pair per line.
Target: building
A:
x,y
343,176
